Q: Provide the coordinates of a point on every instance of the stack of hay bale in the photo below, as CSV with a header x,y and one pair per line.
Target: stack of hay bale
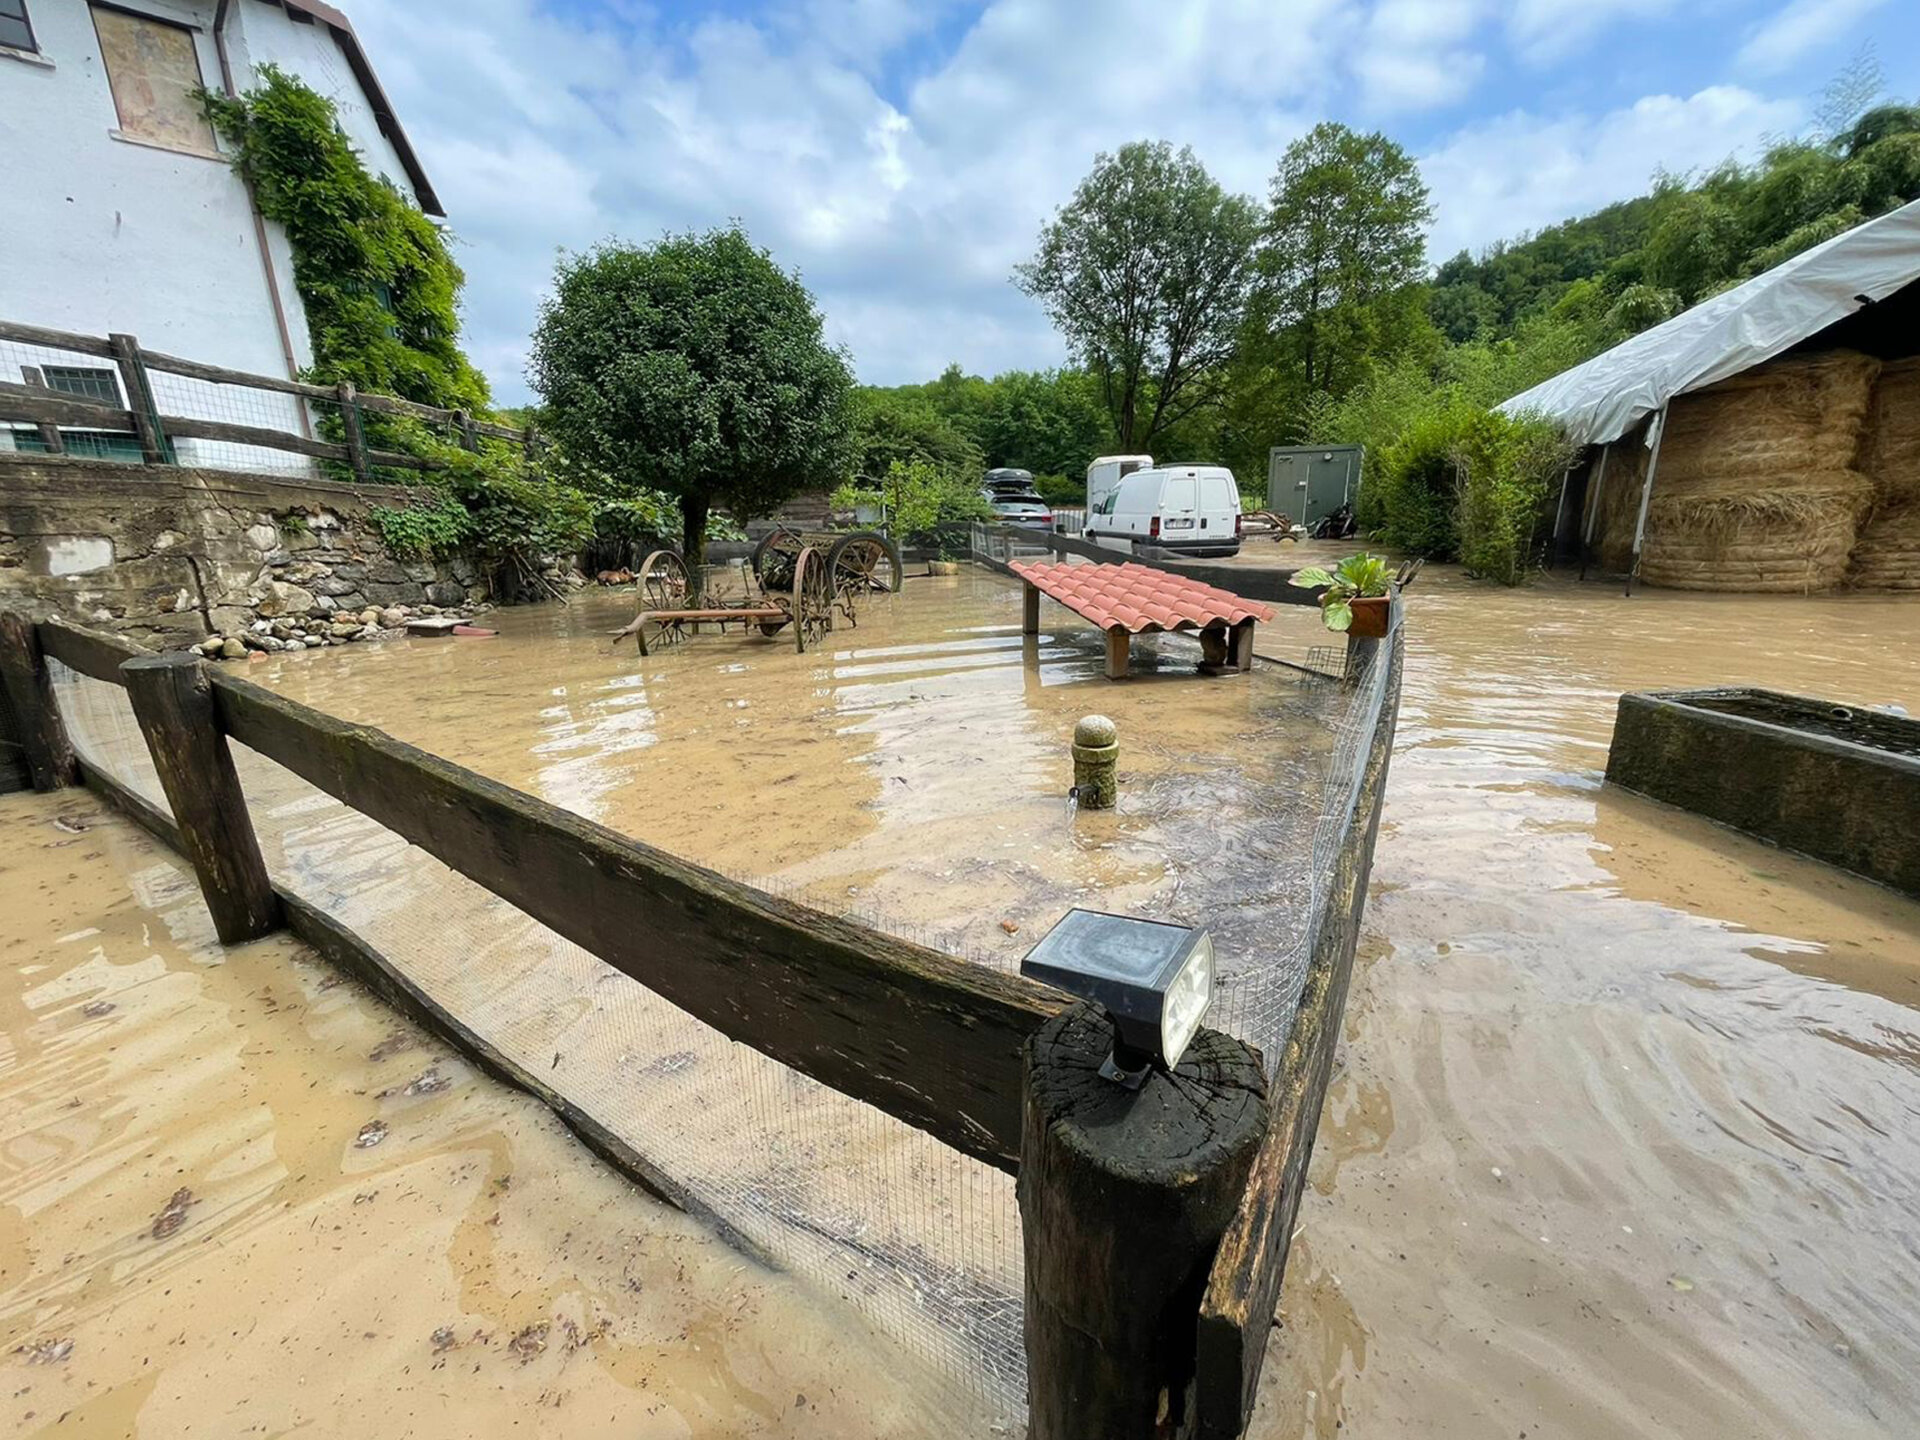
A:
x,y
1888,554
1758,488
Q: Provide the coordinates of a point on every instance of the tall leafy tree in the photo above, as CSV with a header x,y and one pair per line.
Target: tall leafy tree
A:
x,y
1145,272
694,366
1343,254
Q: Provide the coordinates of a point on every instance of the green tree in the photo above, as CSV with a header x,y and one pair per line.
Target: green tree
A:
x,y
1342,255
694,366
1697,243
1145,272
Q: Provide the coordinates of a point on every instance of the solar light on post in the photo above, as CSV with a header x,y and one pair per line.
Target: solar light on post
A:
x,y
1139,1129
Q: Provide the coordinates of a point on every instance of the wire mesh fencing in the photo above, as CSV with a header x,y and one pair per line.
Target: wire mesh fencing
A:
x,y
103,398
920,1242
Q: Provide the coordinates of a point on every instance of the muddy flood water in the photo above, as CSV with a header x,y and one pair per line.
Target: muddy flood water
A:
x,y
1622,1139
241,1197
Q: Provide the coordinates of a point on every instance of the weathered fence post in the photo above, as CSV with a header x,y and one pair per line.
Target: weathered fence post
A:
x,y
173,702
469,437
146,414
35,379
23,671
1124,1195
350,423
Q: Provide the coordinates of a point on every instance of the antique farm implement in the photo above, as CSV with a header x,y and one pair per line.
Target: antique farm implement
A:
x,y
858,563
791,582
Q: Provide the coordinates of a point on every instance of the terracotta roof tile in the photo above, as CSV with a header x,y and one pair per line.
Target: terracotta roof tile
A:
x,y
1138,598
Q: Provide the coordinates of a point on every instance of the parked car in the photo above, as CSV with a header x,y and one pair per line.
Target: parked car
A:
x,y
1014,500
1193,509
1018,509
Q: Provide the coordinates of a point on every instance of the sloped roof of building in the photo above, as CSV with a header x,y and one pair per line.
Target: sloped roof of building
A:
x,y
1734,331
1139,598
382,108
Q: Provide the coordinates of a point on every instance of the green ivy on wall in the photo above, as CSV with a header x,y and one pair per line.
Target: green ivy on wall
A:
x,y
380,288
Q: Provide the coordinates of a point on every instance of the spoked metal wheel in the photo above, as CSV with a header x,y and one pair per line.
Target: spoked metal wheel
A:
x,y
773,560
813,599
863,563
663,581
663,584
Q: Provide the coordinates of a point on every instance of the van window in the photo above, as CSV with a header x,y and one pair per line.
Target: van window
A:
x,y
1218,493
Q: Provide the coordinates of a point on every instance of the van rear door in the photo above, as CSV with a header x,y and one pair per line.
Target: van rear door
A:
x,y
1180,507
1219,506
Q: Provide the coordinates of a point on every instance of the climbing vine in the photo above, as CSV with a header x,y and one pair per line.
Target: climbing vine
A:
x,y
380,288
381,292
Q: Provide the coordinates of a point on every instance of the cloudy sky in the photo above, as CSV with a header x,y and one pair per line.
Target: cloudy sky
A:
x,y
902,154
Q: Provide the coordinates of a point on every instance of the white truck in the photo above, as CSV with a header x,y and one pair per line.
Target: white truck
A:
x,y
1107,472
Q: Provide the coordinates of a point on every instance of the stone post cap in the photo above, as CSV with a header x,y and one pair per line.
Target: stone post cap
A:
x,y
1096,732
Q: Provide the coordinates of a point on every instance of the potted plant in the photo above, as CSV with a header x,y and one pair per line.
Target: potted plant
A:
x,y
1356,594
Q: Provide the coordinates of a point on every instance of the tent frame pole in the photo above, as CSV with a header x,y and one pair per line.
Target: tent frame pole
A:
x,y
1593,510
1646,497
1559,514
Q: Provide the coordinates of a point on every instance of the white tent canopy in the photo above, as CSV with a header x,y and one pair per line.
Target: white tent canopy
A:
x,y
1734,331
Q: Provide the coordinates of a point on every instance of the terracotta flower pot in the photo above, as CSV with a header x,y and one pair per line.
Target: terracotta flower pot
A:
x,y
1370,616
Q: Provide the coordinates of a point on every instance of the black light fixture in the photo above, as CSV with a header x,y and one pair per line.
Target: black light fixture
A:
x,y
1153,978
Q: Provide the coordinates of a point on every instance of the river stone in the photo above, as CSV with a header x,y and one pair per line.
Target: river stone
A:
x,y
445,592
264,537
393,617
232,649
343,630
310,643
210,646
280,598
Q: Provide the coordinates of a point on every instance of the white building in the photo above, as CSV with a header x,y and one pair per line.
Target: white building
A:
x,y
123,214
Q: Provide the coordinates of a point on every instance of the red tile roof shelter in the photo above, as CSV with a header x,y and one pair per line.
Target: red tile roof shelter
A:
x,y
1128,600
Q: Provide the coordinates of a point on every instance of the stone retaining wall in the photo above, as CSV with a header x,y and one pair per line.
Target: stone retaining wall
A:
x,y
174,555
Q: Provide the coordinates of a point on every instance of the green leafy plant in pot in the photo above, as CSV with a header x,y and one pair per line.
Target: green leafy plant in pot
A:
x,y
1357,594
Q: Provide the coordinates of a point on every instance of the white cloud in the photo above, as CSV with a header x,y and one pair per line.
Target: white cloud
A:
x,y
905,180
1802,26
1548,30
1521,172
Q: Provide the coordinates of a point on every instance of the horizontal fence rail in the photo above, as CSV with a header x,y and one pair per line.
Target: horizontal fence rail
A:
x,y
151,419
931,1040
986,1063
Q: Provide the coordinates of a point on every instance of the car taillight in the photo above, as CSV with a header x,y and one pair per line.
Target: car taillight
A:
x,y
1239,525
1153,528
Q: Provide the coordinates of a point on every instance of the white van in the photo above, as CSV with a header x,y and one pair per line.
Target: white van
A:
x,y
1108,471
1194,509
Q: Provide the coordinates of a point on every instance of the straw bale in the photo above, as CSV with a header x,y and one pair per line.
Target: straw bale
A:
x,y
1757,487
1888,555
1891,454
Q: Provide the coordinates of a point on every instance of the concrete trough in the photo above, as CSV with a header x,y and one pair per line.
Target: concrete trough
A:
x,y
1840,783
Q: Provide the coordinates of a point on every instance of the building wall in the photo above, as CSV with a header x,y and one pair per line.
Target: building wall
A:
x,y
102,234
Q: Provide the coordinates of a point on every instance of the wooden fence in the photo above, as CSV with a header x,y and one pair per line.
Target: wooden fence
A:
x,y
996,1066
30,401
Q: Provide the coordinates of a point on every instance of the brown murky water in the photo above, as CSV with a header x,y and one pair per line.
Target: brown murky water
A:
x,y
240,1197
913,772
1624,1139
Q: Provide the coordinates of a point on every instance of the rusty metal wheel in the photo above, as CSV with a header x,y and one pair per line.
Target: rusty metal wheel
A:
x,y
863,563
663,584
813,600
773,560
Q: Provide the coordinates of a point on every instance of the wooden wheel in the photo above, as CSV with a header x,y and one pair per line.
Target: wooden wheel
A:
x,y
812,600
861,564
773,560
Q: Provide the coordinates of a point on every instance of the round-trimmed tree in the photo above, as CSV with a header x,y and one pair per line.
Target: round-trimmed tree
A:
x,y
695,366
